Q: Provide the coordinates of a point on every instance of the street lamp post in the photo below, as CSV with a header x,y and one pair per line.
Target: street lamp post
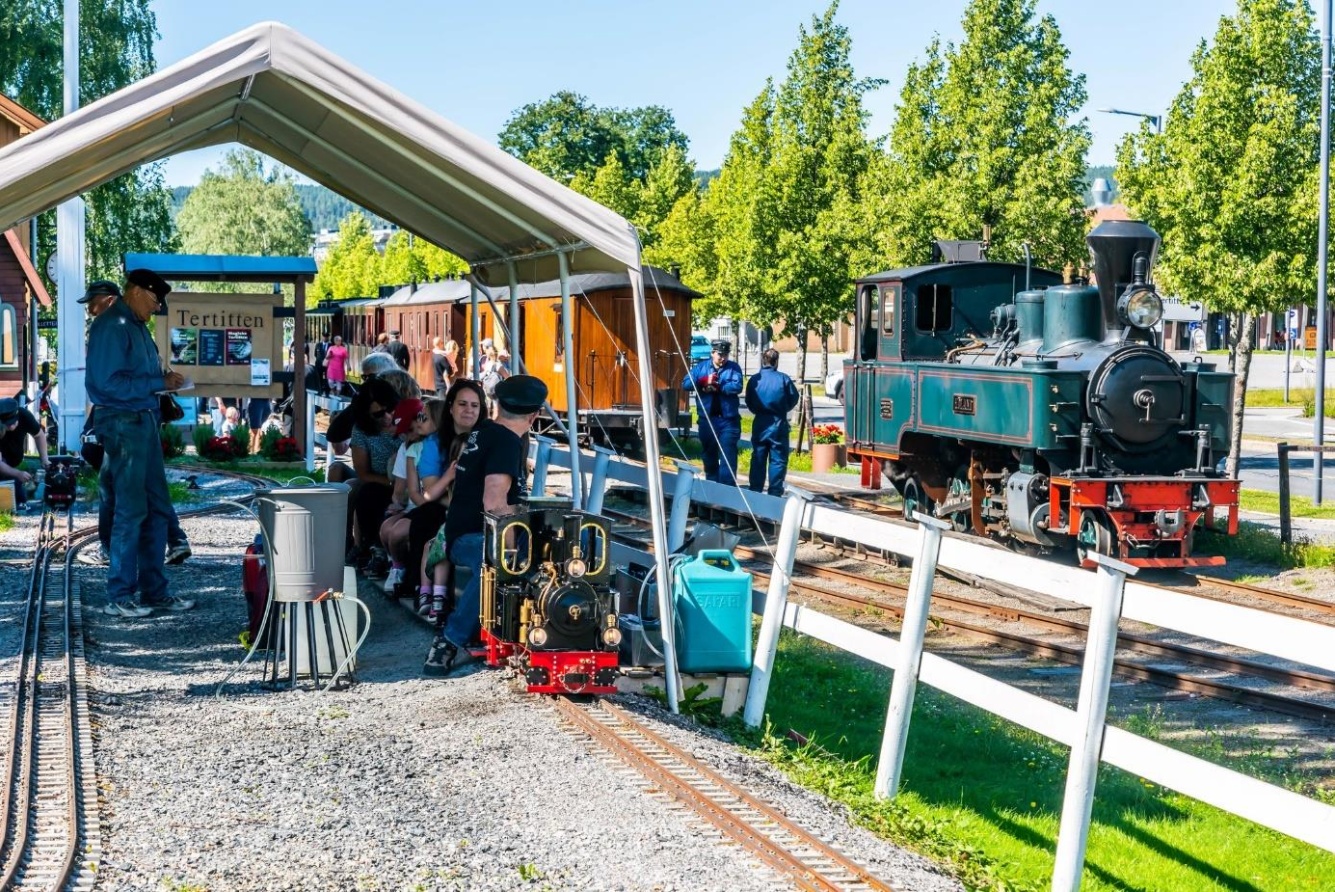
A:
x,y
1156,120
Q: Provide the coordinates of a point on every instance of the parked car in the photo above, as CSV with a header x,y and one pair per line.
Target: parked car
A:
x,y
834,383
699,348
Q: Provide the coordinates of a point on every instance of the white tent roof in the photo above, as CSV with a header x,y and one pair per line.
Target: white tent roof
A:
x,y
274,90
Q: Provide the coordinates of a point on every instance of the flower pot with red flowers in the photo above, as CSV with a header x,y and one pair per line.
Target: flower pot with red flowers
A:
x,y
828,449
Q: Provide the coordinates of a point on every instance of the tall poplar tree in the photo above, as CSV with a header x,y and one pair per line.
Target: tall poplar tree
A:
x,y
244,209
131,212
1231,184
987,134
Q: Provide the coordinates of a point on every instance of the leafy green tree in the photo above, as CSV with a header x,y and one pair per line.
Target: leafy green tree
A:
x,y
244,209
439,263
987,135
669,181
1231,184
352,268
411,259
131,212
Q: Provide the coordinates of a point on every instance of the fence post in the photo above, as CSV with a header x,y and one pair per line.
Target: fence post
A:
x,y
1091,715
776,600
598,480
1285,510
681,506
541,459
905,682
309,441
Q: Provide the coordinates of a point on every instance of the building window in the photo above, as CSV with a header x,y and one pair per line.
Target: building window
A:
x,y
9,337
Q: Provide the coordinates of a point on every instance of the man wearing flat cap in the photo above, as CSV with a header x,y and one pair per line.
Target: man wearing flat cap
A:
x,y
16,426
717,384
123,379
491,476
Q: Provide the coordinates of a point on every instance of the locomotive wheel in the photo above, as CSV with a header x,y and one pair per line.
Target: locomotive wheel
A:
x,y
1096,535
915,499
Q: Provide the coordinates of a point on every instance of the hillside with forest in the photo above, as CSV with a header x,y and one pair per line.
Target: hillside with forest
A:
x,y
324,208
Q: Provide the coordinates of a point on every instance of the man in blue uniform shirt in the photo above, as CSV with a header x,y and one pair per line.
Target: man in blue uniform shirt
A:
x,y
123,378
717,384
770,395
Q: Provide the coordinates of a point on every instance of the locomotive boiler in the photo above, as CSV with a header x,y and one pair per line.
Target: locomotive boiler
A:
x,y
1034,410
548,605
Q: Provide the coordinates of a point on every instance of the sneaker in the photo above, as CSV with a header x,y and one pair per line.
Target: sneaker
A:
x,y
436,612
178,553
175,605
446,659
127,610
423,604
377,565
93,557
394,578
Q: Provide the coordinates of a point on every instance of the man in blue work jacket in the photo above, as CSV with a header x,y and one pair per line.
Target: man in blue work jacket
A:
x,y
770,395
717,384
123,379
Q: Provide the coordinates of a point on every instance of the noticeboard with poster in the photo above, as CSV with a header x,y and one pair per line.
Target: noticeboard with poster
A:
x,y
1309,338
226,343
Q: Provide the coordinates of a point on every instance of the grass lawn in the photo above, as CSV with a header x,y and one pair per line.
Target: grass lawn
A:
x,y
984,796
1299,397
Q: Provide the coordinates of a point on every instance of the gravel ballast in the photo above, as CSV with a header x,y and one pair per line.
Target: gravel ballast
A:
x,y
400,782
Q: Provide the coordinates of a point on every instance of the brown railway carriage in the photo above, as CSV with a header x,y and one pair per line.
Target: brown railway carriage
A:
x,y
421,313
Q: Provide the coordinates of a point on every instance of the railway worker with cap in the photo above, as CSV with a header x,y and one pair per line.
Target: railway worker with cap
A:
x,y
770,395
96,299
717,384
124,376
397,349
491,475
16,426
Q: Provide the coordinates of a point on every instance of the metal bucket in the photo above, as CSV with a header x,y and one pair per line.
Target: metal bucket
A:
x,y
306,526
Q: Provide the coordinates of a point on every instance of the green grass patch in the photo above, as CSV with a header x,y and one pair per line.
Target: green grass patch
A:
x,y
689,450
1268,503
6,522
1258,544
1299,397
984,796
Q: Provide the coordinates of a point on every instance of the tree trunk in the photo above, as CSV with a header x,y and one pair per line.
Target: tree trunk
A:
x,y
1241,353
801,353
825,353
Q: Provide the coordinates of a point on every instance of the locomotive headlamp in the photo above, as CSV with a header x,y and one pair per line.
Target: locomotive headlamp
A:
x,y
1141,308
612,637
576,568
537,637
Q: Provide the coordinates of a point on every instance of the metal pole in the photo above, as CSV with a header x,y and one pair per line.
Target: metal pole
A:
x,y
542,460
681,506
572,397
598,479
776,601
904,685
1288,350
1319,424
70,283
1090,717
474,331
515,326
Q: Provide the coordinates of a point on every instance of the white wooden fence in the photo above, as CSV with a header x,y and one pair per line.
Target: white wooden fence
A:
x,y
1308,643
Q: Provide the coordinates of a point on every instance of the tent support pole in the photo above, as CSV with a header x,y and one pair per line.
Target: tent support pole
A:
x,y
474,332
572,404
300,405
513,335
654,465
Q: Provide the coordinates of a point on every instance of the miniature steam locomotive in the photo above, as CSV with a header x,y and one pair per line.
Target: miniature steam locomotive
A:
x,y
548,606
61,484
1066,425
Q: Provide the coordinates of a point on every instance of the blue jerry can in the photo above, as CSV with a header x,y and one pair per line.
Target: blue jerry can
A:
x,y
712,609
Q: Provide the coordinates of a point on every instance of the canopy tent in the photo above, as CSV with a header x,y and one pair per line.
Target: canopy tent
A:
x,y
274,90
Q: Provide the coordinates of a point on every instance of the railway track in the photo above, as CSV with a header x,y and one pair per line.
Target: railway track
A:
x,y
795,855
882,597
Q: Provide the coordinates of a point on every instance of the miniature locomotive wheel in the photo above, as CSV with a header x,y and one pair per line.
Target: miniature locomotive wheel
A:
x,y
914,498
960,492
1096,535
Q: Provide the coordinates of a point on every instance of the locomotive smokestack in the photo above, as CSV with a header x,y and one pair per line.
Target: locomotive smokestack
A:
x,y
1116,246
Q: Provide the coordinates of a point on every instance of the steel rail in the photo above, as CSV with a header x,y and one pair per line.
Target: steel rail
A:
x,y
760,829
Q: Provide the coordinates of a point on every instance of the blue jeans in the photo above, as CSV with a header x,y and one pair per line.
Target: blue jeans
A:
x,y
134,476
769,451
106,516
465,619
718,443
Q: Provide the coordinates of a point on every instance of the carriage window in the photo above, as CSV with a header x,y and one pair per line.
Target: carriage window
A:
x,y
9,337
889,299
935,303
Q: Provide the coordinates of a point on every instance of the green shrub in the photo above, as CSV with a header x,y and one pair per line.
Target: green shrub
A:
x,y
200,436
241,436
173,441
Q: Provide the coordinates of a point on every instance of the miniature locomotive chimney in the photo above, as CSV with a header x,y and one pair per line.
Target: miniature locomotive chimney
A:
x,y
1115,246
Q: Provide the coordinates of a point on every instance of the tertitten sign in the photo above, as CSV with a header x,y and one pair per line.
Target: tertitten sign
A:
x,y
214,338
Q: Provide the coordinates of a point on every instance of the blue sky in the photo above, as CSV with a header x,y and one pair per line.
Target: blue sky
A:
x,y
475,63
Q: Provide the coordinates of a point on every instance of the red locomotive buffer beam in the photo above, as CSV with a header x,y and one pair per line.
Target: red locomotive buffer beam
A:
x,y
557,671
1144,522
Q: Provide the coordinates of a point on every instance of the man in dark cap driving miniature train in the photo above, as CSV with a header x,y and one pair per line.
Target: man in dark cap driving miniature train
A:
x,y
125,375
717,384
17,424
491,475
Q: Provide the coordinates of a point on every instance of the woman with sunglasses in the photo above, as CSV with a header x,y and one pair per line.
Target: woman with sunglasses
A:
x,y
467,405
373,446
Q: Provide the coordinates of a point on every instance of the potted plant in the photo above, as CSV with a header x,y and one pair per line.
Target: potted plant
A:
x,y
828,449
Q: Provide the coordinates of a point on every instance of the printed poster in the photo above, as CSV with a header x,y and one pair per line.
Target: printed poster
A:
x,y
185,346
238,346
260,373
212,350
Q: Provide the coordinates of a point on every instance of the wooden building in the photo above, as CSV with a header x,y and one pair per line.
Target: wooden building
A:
x,y
20,284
